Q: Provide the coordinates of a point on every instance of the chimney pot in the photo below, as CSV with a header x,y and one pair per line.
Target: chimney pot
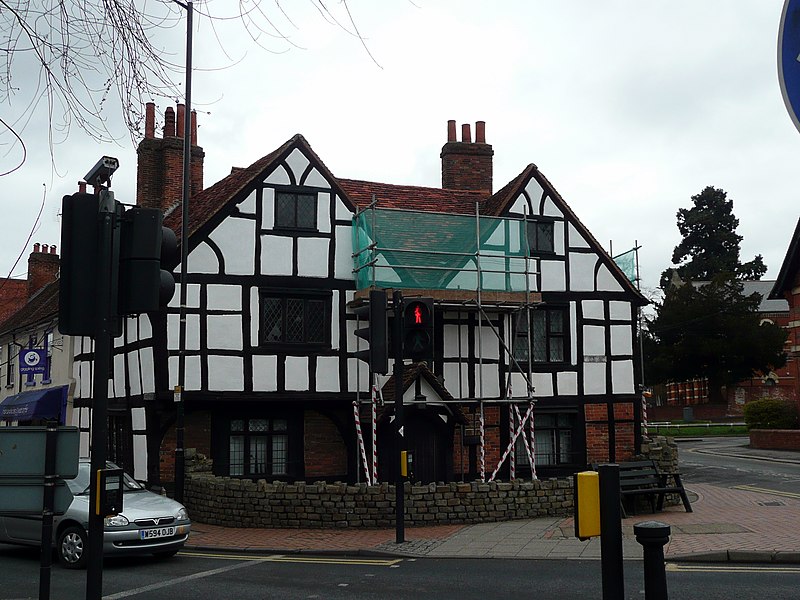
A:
x,y
150,120
169,122
480,132
451,131
466,134
82,187
36,247
180,122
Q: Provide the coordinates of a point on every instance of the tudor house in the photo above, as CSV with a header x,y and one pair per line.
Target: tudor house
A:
x,y
534,324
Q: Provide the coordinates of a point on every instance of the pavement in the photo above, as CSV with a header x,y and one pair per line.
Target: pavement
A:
x,y
726,525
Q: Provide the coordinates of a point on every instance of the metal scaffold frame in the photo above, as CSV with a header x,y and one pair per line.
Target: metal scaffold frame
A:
x,y
519,425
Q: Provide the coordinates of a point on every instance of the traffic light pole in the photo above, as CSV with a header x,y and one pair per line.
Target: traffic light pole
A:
x,y
102,362
400,445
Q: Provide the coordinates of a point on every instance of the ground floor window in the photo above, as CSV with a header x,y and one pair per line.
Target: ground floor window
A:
x,y
552,442
258,447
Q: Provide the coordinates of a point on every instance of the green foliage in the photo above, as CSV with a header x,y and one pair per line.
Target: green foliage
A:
x,y
711,330
771,413
710,244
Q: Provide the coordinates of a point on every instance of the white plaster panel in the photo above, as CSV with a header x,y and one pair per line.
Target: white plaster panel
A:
x,y
225,373
131,330
296,373
135,373
349,296
576,240
335,320
85,379
619,311
265,373
138,419
606,282
353,343
276,255
224,332
312,257
593,309
147,370
202,260
224,297
490,383
520,205
192,301
315,179
119,342
558,238
343,268
451,342
621,340
268,208
554,278
567,382
328,374
550,208
519,387
192,332
86,418
535,191
192,378
297,163
594,340
594,378
84,443
357,376
581,272
139,457
573,332
342,212
451,380
255,315
323,212
542,384
279,176
236,240
248,205
622,377
489,344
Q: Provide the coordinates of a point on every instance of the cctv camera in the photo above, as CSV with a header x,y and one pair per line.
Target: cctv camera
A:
x,y
101,173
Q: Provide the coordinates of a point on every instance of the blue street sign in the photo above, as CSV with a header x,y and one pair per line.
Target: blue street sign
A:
x,y
32,360
789,59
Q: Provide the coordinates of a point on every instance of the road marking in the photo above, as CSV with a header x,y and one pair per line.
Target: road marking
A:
x,y
684,568
752,488
321,560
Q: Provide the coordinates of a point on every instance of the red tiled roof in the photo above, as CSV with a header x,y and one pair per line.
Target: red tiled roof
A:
x,y
43,306
13,294
410,197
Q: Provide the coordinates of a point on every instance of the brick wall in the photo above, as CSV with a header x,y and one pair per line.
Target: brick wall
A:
x,y
197,436
775,439
324,449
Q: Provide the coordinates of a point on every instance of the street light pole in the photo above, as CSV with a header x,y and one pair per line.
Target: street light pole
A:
x,y
187,153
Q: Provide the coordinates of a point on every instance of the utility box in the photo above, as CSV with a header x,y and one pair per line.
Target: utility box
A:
x,y
587,504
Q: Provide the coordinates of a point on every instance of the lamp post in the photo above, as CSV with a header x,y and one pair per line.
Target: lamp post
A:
x,y
187,153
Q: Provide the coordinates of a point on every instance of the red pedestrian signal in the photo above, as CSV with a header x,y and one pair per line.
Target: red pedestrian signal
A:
x,y
418,329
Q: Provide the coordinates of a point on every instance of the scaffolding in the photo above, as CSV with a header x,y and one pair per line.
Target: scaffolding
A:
x,y
465,263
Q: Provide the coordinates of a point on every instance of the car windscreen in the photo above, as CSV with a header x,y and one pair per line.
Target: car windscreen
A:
x,y
80,484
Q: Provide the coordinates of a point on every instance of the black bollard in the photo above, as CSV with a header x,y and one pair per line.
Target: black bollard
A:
x,y
653,535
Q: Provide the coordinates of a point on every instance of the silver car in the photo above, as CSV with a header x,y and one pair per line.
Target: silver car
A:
x,y
148,524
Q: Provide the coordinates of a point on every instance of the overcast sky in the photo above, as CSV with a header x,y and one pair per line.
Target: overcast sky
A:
x,y
629,108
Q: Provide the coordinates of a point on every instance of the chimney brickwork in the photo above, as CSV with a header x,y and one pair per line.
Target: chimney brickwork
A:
x,y
467,165
159,176
42,267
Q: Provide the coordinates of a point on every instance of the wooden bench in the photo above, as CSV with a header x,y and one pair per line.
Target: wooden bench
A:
x,y
642,478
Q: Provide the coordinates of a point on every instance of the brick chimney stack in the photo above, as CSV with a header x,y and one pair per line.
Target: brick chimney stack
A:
x,y
159,176
42,267
467,165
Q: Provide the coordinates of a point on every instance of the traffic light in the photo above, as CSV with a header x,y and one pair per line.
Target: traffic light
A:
x,y
377,355
418,329
77,295
145,244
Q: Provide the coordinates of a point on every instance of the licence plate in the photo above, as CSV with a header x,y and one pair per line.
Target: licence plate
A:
x,y
159,532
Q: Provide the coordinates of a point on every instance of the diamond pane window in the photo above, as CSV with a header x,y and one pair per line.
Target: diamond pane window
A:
x,y
261,451
316,321
294,320
236,454
295,211
548,336
272,320
291,319
541,236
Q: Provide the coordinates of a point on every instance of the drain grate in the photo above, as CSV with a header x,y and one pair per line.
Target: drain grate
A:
x,y
771,503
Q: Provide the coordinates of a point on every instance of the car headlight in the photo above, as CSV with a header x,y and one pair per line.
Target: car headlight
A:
x,y
183,515
115,521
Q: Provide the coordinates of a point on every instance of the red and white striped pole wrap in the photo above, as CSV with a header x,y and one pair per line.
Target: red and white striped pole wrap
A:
x,y
374,433
533,446
361,442
527,443
512,442
483,443
512,462
644,413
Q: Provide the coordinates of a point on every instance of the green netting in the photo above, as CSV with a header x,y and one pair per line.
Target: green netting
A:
x,y
422,250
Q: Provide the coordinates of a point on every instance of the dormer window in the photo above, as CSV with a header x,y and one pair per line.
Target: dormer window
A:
x,y
295,211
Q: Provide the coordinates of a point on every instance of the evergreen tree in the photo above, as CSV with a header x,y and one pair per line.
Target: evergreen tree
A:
x,y
710,244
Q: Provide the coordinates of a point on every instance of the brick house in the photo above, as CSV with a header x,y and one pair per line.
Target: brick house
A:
x,y
532,318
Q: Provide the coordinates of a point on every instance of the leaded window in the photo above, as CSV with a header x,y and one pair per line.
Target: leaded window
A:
x,y
548,335
295,211
258,447
294,319
553,436
541,237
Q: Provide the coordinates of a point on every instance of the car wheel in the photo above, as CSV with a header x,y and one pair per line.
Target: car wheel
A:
x,y
73,548
165,554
